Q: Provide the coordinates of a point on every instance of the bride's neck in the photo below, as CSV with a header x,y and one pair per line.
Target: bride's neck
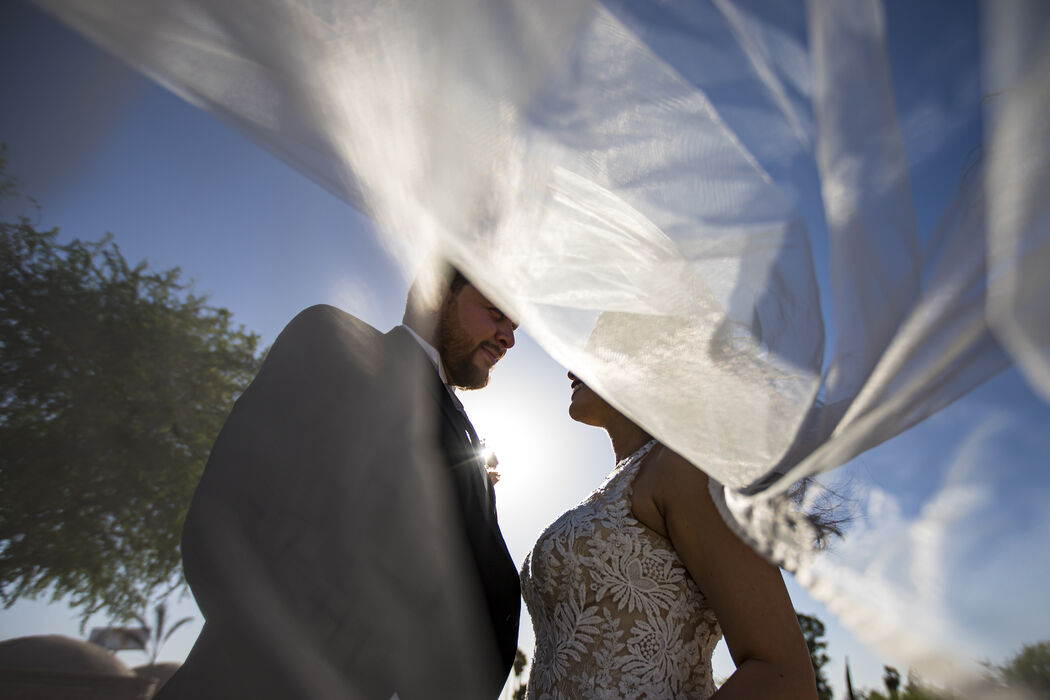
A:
x,y
626,437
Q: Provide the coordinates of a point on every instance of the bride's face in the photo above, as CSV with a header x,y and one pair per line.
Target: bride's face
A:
x,y
586,406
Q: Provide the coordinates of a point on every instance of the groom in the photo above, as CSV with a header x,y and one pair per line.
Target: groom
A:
x,y
343,540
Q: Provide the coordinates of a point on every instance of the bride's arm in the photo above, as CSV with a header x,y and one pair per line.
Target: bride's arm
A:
x,y
745,591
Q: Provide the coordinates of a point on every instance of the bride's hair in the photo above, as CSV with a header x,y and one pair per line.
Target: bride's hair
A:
x,y
827,511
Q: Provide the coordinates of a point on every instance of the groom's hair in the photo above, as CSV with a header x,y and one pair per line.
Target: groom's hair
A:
x,y
436,280
457,282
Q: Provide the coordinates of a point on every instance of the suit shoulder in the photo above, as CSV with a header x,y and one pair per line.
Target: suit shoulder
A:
x,y
325,321
321,338
326,314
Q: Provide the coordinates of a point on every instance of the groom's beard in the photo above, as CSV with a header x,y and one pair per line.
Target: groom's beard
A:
x,y
458,354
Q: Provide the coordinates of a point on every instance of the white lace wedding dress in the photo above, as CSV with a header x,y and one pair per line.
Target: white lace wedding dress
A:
x,y
615,612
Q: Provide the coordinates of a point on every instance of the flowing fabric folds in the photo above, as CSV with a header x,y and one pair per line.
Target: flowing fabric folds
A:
x,y
1019,177
709,211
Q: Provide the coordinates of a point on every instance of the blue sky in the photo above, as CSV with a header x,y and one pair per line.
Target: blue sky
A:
x,y
105,150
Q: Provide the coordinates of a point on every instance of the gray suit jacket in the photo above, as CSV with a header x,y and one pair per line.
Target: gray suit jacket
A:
x,y
343,541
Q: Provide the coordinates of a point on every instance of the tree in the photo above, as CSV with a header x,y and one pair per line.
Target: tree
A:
x,y
914,688
892,678
1027,674
813,631
157,635
520,662
1028,670
114,382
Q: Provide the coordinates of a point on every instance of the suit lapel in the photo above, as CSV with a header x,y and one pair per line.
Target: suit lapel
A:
x,y
458,415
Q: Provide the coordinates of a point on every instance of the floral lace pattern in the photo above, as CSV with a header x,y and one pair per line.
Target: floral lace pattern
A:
x,y
615,612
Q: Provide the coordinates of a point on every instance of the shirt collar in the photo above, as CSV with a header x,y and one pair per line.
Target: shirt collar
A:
x,y
432,353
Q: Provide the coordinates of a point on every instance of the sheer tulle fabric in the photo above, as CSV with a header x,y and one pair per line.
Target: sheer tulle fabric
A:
x,y
708,210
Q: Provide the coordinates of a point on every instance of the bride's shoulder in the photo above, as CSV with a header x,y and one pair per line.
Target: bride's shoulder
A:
x,y
667,482
667,471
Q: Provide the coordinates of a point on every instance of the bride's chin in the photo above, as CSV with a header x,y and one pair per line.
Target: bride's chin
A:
x,y
581,415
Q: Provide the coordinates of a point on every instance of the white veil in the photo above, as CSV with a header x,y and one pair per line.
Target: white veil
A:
x,y
708,210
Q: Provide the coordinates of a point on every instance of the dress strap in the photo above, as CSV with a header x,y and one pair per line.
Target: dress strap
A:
x,y
637,454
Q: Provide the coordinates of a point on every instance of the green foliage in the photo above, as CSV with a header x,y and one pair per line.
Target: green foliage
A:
x,y
813,631
114,382
892,678
1027,674
1028,670
158,634
520,662
914,689
520,687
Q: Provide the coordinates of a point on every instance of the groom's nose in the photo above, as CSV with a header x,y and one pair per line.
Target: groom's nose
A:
x,y
505,333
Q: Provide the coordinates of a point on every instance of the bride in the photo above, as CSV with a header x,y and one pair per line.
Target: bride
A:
x,y
630,591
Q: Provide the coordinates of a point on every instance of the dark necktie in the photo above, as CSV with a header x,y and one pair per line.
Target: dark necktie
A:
x,y
469,428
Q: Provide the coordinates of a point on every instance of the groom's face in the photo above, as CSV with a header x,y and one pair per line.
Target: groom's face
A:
x,y
472,335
